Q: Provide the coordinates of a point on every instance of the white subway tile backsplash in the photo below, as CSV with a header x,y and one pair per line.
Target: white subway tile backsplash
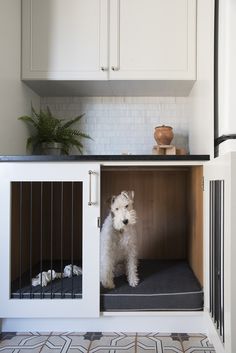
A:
x,y
123,124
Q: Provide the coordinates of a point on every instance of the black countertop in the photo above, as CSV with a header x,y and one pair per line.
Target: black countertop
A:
x,y
107,158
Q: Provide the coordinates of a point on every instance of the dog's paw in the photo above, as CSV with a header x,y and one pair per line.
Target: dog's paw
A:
x,y
108,284
133,282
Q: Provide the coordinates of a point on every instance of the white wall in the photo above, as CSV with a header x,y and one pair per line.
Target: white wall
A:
x,y
15,97
123,124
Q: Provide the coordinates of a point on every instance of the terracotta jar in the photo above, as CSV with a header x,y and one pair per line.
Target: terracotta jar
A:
x,y
163,135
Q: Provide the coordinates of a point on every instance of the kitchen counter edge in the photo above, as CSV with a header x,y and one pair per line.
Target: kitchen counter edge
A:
x,y
101,158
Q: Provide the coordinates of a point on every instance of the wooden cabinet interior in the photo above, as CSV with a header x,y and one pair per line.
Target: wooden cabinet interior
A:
x,y
168,201
195,221
45,231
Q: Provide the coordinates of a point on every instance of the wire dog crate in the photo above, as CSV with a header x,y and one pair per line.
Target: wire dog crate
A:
x,y
46,236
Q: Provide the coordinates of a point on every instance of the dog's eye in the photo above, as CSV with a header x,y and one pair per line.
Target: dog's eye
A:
x,y
117,209
126,206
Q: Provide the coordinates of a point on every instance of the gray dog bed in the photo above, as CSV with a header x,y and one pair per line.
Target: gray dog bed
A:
x,y
164,285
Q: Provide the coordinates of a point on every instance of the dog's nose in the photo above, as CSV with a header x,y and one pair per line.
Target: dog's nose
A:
x,y
125,221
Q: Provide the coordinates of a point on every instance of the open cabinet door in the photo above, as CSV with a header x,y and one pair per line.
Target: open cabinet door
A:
x,y
219,253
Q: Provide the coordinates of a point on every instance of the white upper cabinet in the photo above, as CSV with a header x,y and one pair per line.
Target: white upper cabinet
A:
x,y
109,39
153,39
64,39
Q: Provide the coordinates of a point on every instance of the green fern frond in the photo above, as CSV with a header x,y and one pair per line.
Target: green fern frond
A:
x,y
73,121
48,128
29,142
29,120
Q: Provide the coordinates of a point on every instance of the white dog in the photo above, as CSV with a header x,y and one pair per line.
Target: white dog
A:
x,y
119,241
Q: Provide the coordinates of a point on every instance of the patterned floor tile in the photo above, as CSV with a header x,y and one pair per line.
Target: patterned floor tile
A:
x,y
65,333
171,346
104,342
194,335
7,335
10,335
45,349
148,344
20,342
74,351
140,334
66,342
80,343
158,344
28,350
197,343
114,343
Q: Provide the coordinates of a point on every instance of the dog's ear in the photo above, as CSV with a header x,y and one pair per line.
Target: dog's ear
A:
x,y
131,194
110,200
113,199
128,194
125,194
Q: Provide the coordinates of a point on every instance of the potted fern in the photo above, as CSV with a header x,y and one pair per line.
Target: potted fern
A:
x,y
51,135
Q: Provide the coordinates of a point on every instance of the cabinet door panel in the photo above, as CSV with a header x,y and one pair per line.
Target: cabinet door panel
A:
x,y
220,244
64,39
47,223
153,40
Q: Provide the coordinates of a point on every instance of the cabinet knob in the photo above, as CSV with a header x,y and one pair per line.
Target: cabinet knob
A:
x,y
103,68
115,68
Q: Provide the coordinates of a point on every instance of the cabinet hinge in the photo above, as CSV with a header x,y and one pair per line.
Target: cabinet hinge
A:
x,y
202,184
98,222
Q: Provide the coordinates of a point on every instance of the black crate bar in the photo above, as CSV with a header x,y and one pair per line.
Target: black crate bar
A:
x,y
72,239
21,238
31,238
46,236
41,239
62,217
222,332
51,234
216,247
210,244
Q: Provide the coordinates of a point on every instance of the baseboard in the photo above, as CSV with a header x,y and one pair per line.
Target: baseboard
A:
x,y
179,322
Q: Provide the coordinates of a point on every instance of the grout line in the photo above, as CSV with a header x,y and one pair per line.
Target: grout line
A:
x,y
50,334
136,343
90,344
181,342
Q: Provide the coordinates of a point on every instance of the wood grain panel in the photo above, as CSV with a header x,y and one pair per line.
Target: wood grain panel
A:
x,y
195,236
15,231
51,243
161,205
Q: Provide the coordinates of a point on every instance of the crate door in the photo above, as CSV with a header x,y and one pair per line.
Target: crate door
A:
x,y
217,248
50,240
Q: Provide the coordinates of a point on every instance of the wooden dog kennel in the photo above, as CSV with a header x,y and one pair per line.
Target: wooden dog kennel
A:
x,y
169,205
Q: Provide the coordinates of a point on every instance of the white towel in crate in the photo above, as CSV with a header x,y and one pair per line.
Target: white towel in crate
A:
x,y
46,277
50,275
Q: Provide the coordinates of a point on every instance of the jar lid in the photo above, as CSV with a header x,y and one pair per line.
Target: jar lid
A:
x,y
163,126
